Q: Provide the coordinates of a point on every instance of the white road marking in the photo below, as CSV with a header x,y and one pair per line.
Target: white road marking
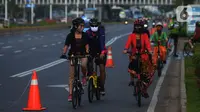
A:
x,y
1,54
45,45
18,51
6,47
20,40
55,35
59,42
33,48
1,43
53,44
36,37
58,61
39,68
154,99
0,84
42,36
29,38
65,86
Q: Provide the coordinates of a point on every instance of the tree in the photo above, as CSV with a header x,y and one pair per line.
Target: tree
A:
x,y
13,9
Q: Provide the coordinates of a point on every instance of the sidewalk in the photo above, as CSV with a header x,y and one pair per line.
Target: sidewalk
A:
x,y
169,98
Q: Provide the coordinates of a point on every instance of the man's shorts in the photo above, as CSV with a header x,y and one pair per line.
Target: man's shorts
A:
x,y
99,61
133,65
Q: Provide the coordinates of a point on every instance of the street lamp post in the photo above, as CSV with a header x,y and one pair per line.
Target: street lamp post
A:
x,y
6,9
66,12
77,8
32,12
50,10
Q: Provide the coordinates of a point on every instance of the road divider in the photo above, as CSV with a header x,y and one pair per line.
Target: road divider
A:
x,y
54,63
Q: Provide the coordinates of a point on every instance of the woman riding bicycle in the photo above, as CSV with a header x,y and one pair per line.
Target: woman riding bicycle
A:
x,y
78,43
159,37
138,40
196,37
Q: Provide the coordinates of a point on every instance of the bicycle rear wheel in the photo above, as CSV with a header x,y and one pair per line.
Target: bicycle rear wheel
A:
x,y
90,90
75,95
98,94
159,69
139,94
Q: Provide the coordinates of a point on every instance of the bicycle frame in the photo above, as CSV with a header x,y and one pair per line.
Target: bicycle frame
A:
x,y
94,76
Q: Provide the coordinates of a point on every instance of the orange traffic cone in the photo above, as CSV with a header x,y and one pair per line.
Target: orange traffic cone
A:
x,y
34,103
109,61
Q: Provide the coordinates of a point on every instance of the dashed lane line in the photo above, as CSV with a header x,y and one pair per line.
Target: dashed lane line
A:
x,y
18,51
7,47
60,60
33,48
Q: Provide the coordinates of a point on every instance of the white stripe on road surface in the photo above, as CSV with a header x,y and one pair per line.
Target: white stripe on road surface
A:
x,y
59,42
45,45
6,47
154,99
1,43
20,40
18,51
33,48
53,44
59,61
39,68
65,86
1,54
29,38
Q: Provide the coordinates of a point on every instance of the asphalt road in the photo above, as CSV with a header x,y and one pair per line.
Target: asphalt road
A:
x,y
25,52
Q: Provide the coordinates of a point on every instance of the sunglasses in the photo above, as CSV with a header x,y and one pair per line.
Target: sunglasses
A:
x,y
94,25
137,27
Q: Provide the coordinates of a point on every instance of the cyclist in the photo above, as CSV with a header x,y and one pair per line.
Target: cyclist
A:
x,y
146,28
196,37
78,43
174,29
138,41
96,38
162,36
153,29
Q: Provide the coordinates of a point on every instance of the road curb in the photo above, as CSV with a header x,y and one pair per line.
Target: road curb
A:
x,y
183,99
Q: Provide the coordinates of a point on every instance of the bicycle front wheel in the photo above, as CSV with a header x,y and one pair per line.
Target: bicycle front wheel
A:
x,y
187,49
90,90
75,96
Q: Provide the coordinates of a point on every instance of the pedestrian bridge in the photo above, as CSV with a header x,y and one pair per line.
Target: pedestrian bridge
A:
x,y
94,2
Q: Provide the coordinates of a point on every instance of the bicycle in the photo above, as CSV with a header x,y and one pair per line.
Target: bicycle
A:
x,y
94,83
142,78
170,47
188,50
77,88
159,61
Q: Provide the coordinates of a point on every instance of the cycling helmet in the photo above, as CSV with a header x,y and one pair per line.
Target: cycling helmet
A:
x,y
139,22
198,24
76,22
94,22
159,24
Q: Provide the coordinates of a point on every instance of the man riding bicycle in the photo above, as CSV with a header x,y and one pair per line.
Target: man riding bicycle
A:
x,y
96,39
159,37
196,37
138,40
78,43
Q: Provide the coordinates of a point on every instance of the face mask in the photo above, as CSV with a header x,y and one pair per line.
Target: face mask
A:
x,y
94,29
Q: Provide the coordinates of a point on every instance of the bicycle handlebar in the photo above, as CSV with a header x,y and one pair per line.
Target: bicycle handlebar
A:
x,y
139,53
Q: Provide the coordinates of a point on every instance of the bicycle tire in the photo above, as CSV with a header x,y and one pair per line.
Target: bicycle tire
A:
x,y
139,94
159,70
187,51
75,96
79,95
98,93
90,90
